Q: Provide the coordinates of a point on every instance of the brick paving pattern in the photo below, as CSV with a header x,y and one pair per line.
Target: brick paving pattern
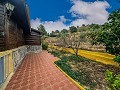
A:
x,y
37,72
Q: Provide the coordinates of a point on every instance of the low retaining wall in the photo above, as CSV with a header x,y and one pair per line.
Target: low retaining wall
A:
x,y
11,59
34,49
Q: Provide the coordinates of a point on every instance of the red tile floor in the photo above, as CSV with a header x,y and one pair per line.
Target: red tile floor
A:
x,y
37,72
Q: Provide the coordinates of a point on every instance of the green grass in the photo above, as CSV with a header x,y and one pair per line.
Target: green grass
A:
x,y
81,76
56,54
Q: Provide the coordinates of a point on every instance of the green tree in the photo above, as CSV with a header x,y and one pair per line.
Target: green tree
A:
x,y
42,28
93,37
113,80
57,31
64,31
83,28
95,26
73,29
110,35
71,40
52,34
83,25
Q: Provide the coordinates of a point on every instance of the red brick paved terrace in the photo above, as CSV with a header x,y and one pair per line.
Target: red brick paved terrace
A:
x,y
37,72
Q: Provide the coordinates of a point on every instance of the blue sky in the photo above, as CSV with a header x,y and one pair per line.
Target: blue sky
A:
x,y
59,14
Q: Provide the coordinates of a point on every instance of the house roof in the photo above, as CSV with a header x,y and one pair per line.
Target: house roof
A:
x,y
37,31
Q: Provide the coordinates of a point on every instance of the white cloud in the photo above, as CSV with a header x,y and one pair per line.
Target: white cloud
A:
x,y
35,23
63,19
85,13
89,12
50,25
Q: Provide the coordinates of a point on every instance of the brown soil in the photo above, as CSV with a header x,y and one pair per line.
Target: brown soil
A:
x,y
96,71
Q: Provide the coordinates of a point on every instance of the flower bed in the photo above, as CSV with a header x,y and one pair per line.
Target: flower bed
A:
x,y
89,74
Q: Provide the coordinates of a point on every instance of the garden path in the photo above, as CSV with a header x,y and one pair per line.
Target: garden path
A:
x,y
37,72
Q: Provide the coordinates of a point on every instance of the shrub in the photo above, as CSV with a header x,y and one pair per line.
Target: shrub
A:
x,y
66,68
76,58
63,52
73,29
56,54
117,59
65,58
44,46
113,80
80,76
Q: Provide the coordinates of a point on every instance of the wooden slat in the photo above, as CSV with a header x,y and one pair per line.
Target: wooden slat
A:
x,y
15,35
2,24
32,40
